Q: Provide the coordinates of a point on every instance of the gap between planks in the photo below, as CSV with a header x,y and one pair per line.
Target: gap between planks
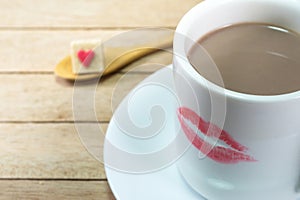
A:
x,y
52,122
113,28
54,179
49,73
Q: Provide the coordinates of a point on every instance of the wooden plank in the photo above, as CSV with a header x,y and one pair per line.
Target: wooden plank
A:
x,y
49,190
40,51
93,13
42,98
46,151
29,51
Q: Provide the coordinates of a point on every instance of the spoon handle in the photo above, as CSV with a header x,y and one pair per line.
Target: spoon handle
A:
x,y
118,57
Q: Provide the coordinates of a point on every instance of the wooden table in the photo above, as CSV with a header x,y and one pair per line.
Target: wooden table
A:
x,y
41,154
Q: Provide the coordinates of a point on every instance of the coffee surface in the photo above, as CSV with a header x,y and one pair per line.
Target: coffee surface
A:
x,y
252,58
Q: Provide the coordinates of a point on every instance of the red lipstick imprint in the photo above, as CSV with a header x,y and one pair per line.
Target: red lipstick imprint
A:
x,y
233,154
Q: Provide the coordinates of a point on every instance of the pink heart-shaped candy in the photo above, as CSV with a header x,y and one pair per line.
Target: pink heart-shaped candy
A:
x,y
85,57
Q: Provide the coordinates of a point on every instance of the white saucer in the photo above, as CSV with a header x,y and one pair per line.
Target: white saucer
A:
x,y
140,107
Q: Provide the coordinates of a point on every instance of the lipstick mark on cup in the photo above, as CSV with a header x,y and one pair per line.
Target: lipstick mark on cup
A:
x,y
230,153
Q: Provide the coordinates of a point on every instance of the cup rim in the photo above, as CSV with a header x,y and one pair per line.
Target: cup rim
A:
x,y
182,28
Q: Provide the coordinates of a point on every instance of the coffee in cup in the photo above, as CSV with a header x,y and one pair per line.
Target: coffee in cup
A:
x,y
252,58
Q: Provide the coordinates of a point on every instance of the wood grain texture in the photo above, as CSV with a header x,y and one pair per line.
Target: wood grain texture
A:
x,y
31,51
93,13
46,151
49,190
42,150
40,98
34,51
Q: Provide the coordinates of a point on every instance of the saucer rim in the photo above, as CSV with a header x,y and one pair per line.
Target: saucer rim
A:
x,y
109,170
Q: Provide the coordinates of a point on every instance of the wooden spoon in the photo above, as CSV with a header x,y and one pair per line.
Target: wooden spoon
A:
x,y
115,59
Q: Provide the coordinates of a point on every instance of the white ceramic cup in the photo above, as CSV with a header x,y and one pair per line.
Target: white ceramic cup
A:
x,y
257,156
